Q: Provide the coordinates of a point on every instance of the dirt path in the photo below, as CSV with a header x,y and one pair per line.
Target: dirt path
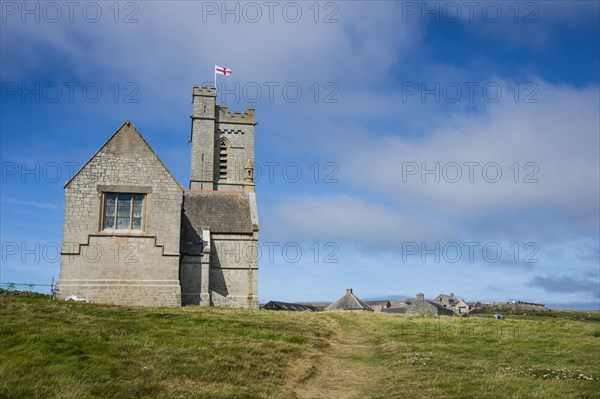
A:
x,y
349,369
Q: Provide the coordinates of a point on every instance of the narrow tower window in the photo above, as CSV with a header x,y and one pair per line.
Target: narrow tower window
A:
x,y
223,156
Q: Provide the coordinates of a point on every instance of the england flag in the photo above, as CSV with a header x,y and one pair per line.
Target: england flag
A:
x,y
222,71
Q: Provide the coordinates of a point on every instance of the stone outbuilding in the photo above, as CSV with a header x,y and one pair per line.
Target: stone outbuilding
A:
x,y
461,308
458,306
378,306
517,306
423,306
446,301
349,301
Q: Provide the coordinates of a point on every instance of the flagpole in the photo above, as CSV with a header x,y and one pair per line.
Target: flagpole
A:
x,y
215,80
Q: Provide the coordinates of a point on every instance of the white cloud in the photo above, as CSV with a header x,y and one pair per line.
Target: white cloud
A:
x,y
171,41
350,219
554,141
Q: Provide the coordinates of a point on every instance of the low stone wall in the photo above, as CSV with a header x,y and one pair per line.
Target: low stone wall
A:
x,y
140,293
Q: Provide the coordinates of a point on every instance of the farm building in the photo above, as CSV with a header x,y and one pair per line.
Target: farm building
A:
x,y
349,301
378,306
424,306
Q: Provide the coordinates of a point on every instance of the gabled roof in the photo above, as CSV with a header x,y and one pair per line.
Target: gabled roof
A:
x,y
440,308
293,307
378,303
318,305
450,298
401,302
349,302
436,304
126,127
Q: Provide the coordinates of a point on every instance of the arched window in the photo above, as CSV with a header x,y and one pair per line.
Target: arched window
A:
x,y
223,158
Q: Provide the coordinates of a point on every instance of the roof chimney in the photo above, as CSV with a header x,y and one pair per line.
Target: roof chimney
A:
x,y
420,296
452,295
348,290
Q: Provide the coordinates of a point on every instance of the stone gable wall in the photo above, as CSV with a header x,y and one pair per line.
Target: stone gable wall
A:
x,y
124,164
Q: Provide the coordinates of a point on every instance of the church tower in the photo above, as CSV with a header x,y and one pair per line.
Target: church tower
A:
x,y
219,244
222,145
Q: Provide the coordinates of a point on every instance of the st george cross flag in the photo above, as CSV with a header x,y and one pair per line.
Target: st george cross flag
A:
x,y
222,71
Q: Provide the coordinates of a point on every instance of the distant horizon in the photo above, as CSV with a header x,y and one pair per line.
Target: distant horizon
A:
x,y
557,306
595,306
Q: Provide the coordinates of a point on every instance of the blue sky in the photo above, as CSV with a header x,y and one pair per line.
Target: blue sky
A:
x,y
442,147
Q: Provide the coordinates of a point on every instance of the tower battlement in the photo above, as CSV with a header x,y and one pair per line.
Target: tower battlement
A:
x,y
204,91
224,116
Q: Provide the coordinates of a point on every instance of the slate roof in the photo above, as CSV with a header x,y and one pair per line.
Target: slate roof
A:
x,y
217,211
293,307
349,302
451,299
394,310
441,309
318,305
378,303
401,302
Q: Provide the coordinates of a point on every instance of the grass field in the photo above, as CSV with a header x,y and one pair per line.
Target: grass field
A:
x,y
57,349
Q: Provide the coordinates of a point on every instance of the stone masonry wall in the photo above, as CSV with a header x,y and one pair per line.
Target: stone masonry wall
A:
x,y
203,138
234,270
122,270
124,164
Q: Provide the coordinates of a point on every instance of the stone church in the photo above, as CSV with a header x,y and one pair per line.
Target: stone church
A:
x,y
133,236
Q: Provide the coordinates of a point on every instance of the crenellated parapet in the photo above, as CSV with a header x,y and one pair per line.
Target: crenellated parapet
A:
x,y
204,91
224,116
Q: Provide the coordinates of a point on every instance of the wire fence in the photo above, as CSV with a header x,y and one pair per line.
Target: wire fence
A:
x,y
12,287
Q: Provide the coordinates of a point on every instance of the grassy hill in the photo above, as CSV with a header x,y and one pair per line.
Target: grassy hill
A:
x,y
57,349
